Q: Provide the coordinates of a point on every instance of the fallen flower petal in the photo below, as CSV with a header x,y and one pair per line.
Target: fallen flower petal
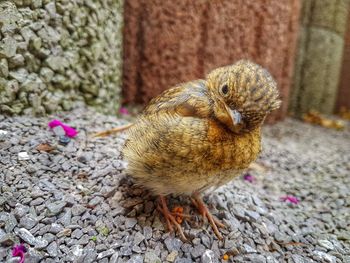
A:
x,y
248,177
19,251
124,111
291,199
70,132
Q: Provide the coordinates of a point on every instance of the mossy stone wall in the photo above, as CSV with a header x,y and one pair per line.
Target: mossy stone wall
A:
x,y
319,58
57,54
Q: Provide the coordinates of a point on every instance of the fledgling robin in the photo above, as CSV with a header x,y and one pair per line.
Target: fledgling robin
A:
x,y
201,134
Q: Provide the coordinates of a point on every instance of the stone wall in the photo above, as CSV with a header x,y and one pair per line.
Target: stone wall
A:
x,y
55,54
167,42
319,57
343,99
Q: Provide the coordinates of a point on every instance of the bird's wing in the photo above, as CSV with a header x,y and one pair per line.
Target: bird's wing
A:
x,y
188,99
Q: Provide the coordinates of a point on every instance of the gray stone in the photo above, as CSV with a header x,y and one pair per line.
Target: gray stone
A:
x,y
28,222
147,232
40,243
66,218
25,235
205,240
78,210
322,256
326,244
106,253
173,244
209,257
114,258
248,249
34,255
75,252
151,257
49,237
20,210
255,258
254,216
57,63
8,47
130,222
21,75
136,249
46,74
184,260
56,228
36,3
229,243
298,259
23,156
86,157
138,238
126,250
198,251
16,61
95,201
4,69
135,259
51,9
52,249
27,33
58,130
77,233
90,256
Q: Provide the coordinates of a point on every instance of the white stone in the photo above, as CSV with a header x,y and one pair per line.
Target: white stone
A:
x,y
22,156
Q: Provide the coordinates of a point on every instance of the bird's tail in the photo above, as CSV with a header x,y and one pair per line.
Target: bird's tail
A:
x,y
113,131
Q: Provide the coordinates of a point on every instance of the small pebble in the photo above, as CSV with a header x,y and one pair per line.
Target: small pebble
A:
x,y
64,140
22,156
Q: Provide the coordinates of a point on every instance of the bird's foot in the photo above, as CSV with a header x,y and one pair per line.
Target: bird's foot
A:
x,y
204,211
170,219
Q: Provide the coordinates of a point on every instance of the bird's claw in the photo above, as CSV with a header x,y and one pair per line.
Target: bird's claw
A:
x,y
204,211
170,219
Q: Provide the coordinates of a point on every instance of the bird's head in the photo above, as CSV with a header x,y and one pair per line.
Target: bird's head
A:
x,y
243,94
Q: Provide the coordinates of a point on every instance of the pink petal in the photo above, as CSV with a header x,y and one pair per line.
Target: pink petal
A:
x,y
70,132
54,123
291,199
124,111
248,177
19,251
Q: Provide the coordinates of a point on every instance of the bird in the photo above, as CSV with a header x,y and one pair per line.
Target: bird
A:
x,y
200,135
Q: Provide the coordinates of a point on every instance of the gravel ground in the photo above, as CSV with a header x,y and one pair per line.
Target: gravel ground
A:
x,y
75,204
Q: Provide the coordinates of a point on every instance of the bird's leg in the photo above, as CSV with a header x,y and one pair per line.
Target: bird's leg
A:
x,y
204,211
170,219
113,131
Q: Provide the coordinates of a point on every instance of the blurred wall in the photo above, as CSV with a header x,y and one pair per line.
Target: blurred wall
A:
x,y
54,54
319,58
167,42
343,99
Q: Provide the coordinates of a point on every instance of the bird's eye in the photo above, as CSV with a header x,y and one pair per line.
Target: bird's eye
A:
x,y
224,89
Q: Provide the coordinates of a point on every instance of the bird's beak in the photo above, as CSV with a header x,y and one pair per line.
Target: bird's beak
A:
x,y
236,119
236,116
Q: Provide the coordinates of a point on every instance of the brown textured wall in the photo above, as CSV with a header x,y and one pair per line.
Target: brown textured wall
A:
x,y
167,42
343,99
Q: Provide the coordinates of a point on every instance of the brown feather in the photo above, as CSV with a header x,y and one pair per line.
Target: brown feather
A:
x,y
186,139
